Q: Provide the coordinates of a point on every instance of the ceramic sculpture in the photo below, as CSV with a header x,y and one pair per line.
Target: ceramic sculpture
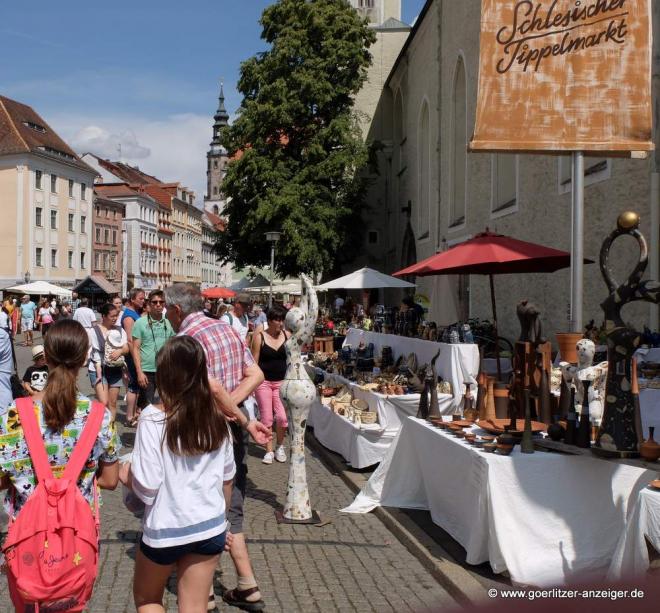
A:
x,y
298,393
620,432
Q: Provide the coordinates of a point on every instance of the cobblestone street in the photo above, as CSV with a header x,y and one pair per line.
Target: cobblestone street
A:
x,y
352,563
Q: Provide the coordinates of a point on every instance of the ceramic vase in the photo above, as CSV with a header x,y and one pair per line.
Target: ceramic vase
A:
x,y
650,450
567,345
490,399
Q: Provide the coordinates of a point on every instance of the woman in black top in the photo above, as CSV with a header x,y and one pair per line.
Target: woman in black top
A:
x,y
268,350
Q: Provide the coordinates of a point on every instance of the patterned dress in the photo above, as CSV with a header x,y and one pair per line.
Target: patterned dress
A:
x,y
15,458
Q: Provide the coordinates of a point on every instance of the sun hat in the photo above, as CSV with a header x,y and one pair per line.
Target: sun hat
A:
x,y
37,351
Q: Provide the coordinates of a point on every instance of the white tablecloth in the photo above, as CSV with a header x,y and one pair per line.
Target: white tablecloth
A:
x,y
631,558
458,364
546,518
649,407
365,445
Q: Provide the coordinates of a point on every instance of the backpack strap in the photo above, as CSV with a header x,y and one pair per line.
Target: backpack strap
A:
x,y
85,443
34,439
231,319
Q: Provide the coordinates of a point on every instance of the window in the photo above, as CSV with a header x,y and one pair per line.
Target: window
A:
x,y
97,261
38,175
595,170
504,182
97,234
82,260
215,190
106,236
38,221
70,188
424,173
83,191
53,220
71,221
114,237
69,259
53,183
53,258
83,223
38,256
215,163
458,149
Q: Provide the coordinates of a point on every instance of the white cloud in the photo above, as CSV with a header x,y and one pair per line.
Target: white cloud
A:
x,y
172,149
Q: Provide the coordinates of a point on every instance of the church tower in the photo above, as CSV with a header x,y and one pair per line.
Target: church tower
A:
x,y
378,11
217,160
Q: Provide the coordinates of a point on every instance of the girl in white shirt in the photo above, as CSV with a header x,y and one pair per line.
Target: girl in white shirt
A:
x,y
182,468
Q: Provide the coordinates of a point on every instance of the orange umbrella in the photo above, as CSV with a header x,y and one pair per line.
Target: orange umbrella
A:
x,y
218,292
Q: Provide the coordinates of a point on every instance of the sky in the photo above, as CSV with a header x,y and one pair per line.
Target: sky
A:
x,y
144,74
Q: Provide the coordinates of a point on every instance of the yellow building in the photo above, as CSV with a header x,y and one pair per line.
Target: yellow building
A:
x,y
46,194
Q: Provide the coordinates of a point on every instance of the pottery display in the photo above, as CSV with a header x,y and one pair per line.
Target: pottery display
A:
x,y
298,394
504,449
470,437
501,397
497,426
469,409
650,450
506,438
489,447
490,398
620,432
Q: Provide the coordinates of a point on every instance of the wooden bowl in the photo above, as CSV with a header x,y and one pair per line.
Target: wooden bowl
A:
x,y
470,437
490,447
487,438
463,423
458,433
504,449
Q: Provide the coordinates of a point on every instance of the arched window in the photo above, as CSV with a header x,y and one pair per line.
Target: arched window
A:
x,y
458,148
216,210
424,172
215,190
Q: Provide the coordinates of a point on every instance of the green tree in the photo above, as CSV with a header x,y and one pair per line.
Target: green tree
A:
x,y
300,148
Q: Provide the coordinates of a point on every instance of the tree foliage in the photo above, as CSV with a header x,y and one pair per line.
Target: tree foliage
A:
x,y
297,137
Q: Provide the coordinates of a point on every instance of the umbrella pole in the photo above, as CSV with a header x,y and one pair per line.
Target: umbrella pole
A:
x,y
497,345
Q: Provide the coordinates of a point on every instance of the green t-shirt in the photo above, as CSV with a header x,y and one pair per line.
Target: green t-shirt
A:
x,y
152,334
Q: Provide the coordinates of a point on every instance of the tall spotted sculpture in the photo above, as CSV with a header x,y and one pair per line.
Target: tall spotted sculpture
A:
x,y
620,432
298,393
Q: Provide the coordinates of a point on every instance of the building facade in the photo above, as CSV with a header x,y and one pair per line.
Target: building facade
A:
x,y
108,239
47,198
434,194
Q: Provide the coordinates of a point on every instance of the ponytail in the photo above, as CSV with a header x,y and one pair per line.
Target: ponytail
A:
x,y
65,346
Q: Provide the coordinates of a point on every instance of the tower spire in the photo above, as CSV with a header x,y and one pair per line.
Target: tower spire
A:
x,y
221,116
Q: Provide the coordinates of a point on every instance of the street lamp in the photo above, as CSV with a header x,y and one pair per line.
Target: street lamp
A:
x,y
272,238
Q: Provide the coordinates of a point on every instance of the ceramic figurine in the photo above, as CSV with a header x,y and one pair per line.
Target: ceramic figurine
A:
x,y
434,407
530,325
571,421
298,393
423,410
620,432
527,443
584,431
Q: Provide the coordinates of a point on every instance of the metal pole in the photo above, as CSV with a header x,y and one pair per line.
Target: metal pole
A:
x,y
577,250
272,270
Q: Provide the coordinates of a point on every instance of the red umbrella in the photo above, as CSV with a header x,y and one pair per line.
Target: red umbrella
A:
x,y
218,292
491,254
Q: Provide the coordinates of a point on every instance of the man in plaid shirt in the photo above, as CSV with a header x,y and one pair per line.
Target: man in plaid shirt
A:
x,y
230,362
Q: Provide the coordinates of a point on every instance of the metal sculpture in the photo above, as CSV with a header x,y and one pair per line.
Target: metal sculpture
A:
x,y
298,393
620,431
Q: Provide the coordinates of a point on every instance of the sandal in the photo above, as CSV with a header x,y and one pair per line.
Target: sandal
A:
x,y
236,598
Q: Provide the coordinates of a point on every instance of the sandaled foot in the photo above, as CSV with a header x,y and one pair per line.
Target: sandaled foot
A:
x,y
237,598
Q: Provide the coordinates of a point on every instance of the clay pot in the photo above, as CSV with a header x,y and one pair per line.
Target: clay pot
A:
x,y
489,447
567,342
556,432
504,449
649,449
490,399
501,400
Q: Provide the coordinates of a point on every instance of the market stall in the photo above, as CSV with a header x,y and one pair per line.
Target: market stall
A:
x,y
365,444
546,518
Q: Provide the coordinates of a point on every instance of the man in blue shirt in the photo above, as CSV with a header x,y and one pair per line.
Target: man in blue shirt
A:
x,y
5,369
28,309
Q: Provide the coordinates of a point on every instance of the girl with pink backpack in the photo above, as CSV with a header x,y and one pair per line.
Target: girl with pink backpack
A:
x,y
56,450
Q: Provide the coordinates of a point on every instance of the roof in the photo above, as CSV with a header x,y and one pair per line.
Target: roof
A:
x,y
161,196
393,24
216,221
96,284
411,37
130,174
23,130
115,190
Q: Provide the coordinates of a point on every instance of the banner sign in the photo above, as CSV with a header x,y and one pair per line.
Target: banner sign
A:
x,y
565,75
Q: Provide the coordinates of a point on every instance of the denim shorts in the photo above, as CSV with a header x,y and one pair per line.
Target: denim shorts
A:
x,y
112,377
171,555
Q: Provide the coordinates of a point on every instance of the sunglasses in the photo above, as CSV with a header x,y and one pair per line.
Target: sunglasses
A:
x,y
157,301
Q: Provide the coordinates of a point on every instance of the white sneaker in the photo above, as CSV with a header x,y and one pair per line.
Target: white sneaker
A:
x,y
268,458
280,454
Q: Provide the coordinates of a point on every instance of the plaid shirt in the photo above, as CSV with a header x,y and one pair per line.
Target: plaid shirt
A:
x,y
227,355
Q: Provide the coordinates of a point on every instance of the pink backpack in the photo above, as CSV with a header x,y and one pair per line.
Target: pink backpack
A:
x,y
52,547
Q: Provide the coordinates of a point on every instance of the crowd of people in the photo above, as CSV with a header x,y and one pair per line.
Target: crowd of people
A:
x,y
200,380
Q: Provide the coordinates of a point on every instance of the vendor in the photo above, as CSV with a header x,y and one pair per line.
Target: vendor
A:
x,y
408,302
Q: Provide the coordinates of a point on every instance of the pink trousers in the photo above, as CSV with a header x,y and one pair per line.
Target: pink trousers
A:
x,y
268,398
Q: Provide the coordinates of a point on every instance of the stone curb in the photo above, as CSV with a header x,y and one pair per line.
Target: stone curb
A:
x,y
459,583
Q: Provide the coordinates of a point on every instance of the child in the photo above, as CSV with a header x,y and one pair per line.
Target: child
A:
x,y
182,469
36,376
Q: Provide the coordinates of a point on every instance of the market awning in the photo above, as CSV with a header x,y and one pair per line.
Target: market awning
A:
x,y
218,292
40,288
96,284
365,278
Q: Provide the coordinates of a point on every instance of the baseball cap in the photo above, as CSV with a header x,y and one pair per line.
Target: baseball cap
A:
x,y
243,299
37,351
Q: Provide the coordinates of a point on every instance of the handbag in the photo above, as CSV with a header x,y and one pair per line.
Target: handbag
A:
x,y
17,389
